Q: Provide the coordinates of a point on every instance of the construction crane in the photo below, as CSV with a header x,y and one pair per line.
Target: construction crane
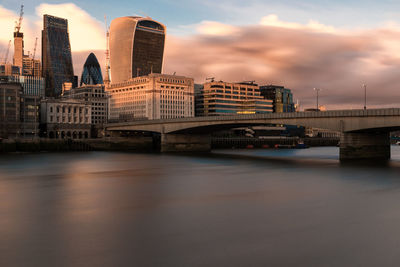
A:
x,y
210,79
19,22
34,50
8,50
107,78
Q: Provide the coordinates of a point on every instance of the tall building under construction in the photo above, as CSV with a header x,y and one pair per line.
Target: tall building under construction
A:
x,y
56,55
136,47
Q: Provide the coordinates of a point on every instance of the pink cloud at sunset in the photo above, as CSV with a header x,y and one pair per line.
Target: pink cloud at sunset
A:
x,y
273,51
299,57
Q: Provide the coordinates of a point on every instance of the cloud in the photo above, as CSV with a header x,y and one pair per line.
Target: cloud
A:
x,y
272,51
273,21
7,22
300,57
86,33
215,28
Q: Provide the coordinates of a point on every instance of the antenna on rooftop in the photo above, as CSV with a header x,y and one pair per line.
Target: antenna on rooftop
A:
x,y
211,79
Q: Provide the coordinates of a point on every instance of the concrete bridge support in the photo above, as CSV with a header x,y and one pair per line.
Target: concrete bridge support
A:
x,y
185,143
365,146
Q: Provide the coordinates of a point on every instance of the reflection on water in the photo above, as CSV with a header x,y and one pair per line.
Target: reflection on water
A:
x,y
228,208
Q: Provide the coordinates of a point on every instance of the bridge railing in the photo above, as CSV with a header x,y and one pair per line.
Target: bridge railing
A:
x,y
312,114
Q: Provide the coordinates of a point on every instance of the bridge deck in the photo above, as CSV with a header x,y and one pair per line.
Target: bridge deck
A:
x,y
292,115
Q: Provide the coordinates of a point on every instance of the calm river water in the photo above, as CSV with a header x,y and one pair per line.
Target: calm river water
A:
x,y
227,208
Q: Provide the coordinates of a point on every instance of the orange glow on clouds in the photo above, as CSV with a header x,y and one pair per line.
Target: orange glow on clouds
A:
x,y
299,56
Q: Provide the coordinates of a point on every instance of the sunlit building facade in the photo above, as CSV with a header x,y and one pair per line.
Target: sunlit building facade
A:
x,y
91,74
96,96
222,98
155,96
65,118
56,55
9,69
31,67
136,47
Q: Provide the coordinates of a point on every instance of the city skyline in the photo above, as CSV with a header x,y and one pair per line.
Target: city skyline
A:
x,y
297,52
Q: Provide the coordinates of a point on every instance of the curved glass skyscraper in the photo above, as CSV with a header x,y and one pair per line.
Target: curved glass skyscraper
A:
x,y
91,73
136,47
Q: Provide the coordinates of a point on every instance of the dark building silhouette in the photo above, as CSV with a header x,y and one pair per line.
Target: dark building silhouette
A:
x,y
282,97
10,101
136,47
91,74
56,55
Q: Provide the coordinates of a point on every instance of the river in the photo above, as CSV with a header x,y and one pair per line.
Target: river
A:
x,y
227,208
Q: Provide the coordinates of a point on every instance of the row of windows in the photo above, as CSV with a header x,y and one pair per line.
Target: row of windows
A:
x,y
69,109
69,119
234,88
172,87
171,80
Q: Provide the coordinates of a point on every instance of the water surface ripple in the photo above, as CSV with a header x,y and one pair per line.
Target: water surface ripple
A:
x,y
227,208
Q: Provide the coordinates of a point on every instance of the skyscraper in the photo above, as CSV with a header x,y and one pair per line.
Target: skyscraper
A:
x,y
91,73
56,54
18,49
136,47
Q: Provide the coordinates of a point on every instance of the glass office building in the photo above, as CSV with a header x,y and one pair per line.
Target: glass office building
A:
x,y
281,97
136,47
31,85
56,55
91,74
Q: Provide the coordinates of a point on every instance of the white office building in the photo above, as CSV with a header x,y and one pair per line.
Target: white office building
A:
x,y
155,96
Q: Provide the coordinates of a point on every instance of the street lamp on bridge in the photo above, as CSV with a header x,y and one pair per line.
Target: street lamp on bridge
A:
x,y
317,90
365,96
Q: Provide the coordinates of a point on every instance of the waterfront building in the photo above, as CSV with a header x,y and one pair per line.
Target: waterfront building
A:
x,y
282,97
136,47
65,118
31,85
29,116
91,73
224,98
25,97
97,97
155,96
56,55
10,99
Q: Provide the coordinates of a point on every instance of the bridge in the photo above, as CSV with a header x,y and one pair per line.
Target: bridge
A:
x,y
365,133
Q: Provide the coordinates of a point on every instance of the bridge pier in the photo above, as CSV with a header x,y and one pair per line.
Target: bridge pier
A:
x,y
365,146
185,143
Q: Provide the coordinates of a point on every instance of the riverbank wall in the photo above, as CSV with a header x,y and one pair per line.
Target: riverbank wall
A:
x,y
53,145
144,144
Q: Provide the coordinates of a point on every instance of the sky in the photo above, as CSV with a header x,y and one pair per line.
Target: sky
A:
x,y
336,46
